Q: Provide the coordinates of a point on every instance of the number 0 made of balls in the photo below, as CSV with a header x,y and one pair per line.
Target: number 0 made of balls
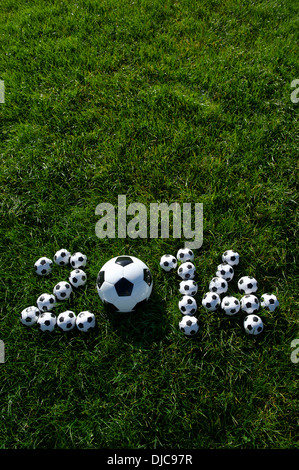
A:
x,y
124,282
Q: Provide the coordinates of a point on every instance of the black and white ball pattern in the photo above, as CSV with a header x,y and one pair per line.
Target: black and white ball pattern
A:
x,y
185,254
29,315
46,302
230,305
250,304
189,325
187,305
62,290
85,321
62,257
269,302
247,285
218,285
211,301
186,270
253,324
78,278
225,271
66,320
189,287
78,260
43,266
47,321
231,257
168,262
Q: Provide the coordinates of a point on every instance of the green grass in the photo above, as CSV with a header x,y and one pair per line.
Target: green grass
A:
x,y
164,102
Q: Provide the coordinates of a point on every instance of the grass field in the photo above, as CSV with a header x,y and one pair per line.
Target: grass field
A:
x,y
173,101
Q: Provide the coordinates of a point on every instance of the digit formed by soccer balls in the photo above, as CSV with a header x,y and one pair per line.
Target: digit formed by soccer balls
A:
x,y
85,321
250,304
62,257
43,266
47,321
46,302
168,262
231,257
188,305
253,324
226,271
62,290
230,305
247,285
185,254
66,320
188,287
211,301
78,260
124,282
78,278
218,285
186,270
269,302
189,325
29,315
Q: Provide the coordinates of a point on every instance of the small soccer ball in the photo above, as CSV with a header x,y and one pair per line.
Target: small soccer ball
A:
x,y
43,266
47,321
189,325
253,324
249,304
85,321
168,262
29,315
185,254
62,290
77,278
46,302
211,301
231,257
78,260
269,302
188,287
230,305
247,285
186,270
62,257
218,285
226,271
187,305
66,320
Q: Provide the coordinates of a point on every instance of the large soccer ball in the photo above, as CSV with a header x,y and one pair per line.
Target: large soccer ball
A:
x,y
124,282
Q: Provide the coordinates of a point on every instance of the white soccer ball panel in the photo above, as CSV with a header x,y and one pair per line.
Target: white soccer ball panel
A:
x,y
107,292
125,304
141,291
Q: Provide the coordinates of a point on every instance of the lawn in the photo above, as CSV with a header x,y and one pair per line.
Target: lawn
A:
x,y
173,101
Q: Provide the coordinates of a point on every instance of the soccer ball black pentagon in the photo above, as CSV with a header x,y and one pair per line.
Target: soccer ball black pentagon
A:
x,y
29,315
85,321
211,301
247,285
249,304
226,271
124,282
77,278
43,266
189,287
187,305
189,325
186,270
62,290
253,324
168,262
66,320
185,254
47,321
231,257
230,305
62,257
218,285
46,302
78,260
269,302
